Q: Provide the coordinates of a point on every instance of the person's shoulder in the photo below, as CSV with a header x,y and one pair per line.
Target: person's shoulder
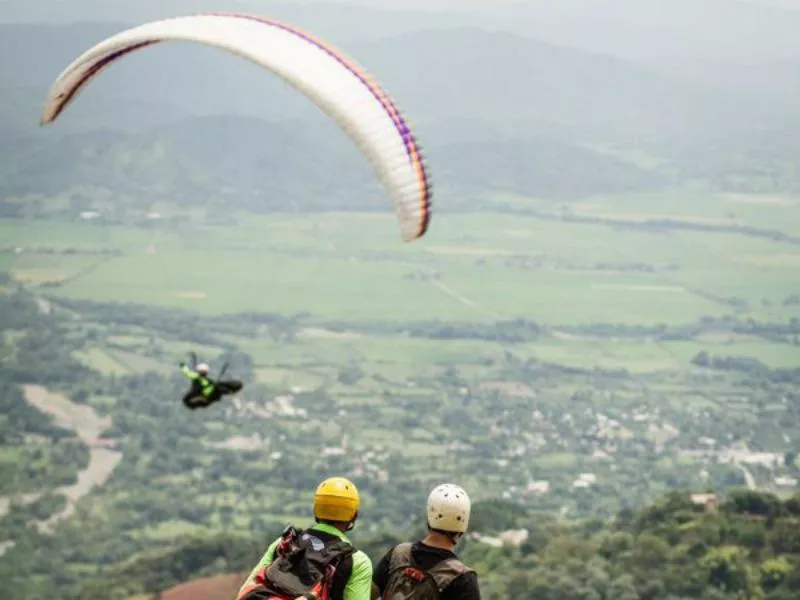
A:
x,y
273,546
361,570
469,575
400,548
361,561
464,586
465,575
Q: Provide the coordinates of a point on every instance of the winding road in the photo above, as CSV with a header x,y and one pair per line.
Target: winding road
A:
x,y
88,426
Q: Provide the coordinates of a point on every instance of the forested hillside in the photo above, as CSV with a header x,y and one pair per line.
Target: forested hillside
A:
x,y
679,547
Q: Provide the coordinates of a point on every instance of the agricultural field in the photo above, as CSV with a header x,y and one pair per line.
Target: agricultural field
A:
x,y
473,266
482,267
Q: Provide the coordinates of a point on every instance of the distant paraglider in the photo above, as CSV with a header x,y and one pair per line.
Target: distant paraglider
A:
x,y
205,391
338,86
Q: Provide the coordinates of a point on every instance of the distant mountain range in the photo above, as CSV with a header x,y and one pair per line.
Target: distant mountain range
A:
x,y
505,80
493,110
644,30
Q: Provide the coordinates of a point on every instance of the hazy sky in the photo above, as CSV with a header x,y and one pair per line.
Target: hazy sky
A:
x,y
489,4
61,10
493,4
790,4
674,31
9,8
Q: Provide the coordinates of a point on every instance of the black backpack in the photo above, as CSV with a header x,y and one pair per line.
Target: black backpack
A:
x,y
303,566
406,581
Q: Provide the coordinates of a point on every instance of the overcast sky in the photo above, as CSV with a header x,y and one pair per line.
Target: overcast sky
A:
x,y
493,4
679,31
10,9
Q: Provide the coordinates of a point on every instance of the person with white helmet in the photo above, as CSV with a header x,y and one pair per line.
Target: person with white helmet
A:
x,y
429,568
203,390
319,562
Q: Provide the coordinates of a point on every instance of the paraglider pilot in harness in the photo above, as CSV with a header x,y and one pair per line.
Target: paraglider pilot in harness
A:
x,y
204,391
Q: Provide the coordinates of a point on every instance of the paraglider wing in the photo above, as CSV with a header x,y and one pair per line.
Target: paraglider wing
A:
x,y
331,80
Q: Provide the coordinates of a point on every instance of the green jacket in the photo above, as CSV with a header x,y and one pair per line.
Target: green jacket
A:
x,y
359,586
201,382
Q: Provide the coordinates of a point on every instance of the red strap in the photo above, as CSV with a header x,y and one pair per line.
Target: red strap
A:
x,y
247,590
414,574
330,571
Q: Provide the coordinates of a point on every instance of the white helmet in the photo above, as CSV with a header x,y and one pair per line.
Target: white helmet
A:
x,y
448,508
202,368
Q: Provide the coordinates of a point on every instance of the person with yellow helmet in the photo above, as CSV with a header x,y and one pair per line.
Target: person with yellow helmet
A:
x,y
319,562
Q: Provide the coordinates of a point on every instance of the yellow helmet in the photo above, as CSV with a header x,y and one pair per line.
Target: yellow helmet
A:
x,y
336,499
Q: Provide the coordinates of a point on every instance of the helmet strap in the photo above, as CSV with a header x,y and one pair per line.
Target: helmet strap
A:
x,y
350,524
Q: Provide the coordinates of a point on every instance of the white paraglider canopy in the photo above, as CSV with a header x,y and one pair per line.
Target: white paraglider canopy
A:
x,y
337,85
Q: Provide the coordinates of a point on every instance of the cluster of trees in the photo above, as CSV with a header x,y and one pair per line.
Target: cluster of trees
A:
x,y
185,325
41,465
20,419
69,250
674,549
38,454
782,332
746,364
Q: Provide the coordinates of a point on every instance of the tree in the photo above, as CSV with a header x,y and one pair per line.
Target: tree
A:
x,y
728,570
702,359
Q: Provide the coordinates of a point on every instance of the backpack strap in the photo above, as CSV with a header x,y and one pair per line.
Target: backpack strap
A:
x,y
443,573
336,551
447,571
289,535
401,557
